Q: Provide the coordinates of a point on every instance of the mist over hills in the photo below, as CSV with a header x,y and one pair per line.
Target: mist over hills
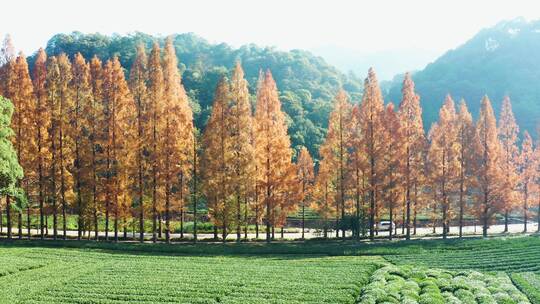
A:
x,y
498,61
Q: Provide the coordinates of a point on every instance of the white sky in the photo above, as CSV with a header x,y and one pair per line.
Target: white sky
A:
x,y
364,26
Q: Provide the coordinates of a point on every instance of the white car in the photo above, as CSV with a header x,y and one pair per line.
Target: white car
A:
x,y
385,225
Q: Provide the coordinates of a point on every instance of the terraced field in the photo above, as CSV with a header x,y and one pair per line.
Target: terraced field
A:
x,y
43,275
509,255
472,271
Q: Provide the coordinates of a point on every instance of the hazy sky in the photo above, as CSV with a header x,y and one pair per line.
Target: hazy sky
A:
x,y
367,27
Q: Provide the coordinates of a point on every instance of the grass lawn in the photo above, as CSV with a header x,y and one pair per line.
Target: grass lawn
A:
x,y
497,270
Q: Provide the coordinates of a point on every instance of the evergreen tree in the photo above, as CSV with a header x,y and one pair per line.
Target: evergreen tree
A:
x,y
10,170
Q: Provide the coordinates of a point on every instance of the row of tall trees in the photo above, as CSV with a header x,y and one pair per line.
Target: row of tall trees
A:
x,y
100,145
96,144
377,160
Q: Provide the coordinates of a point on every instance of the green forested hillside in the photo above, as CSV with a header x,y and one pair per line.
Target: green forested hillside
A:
x,y
498,61
307,83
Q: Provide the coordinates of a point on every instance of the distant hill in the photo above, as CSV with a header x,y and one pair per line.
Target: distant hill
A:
x,y
498,61
306,82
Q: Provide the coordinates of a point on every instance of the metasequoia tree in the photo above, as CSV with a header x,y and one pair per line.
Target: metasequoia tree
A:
x,y
95,120
275,171
357,167
118,109
137,82
489,163
155,97
527,174
392,188
53,86
41,123
79,129
20,91
335,153
443,159
410,115
176,139
372,119
305,178
216,160
241,148
324,195
508,132
65,142
465,154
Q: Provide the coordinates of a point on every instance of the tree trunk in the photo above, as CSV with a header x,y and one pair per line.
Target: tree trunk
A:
x,y
8,217
28,223
461,205
195,191
41,181
391,214
20,234
160,228
257,212
182,206
303,219
525,208
116,218
506,220
485,216
238,218
167,212
246,221
154,202
408,196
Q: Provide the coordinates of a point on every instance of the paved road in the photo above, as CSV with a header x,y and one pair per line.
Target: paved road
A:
x,y
422,232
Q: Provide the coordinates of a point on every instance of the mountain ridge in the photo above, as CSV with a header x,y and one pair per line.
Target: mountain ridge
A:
x,y
496,62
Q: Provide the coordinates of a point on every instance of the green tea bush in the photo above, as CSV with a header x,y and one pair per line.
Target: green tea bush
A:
x,y
407,284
